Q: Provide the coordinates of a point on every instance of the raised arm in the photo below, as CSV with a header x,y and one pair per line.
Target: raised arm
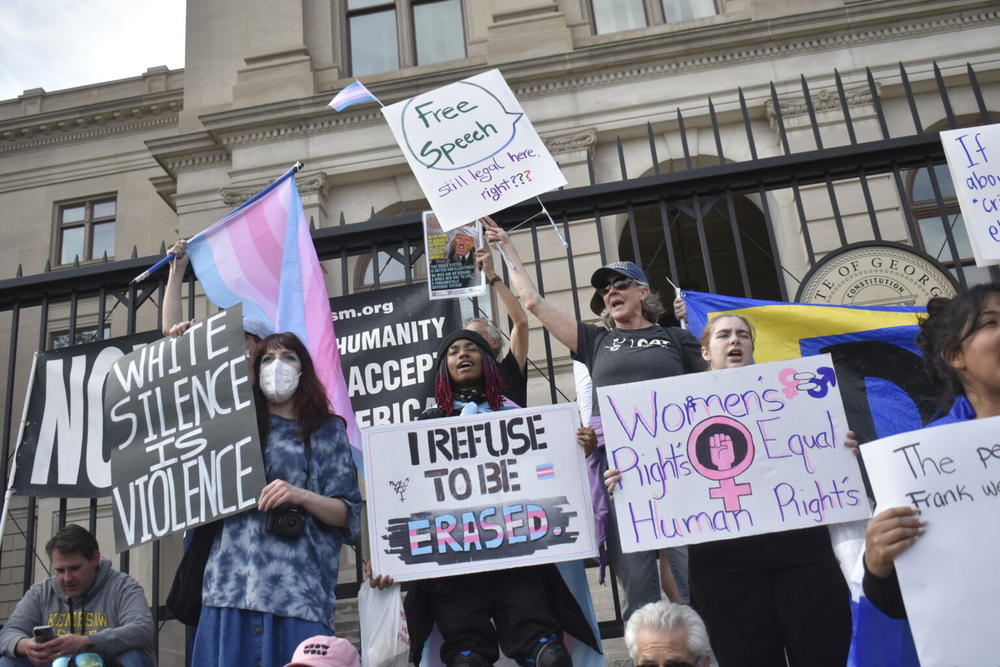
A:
x,y
519,329
172,321
560,324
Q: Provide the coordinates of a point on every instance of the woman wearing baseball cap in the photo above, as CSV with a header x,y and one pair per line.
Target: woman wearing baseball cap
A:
x,y
631,347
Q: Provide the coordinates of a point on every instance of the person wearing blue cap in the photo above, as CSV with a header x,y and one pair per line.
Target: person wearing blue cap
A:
x,y
631,347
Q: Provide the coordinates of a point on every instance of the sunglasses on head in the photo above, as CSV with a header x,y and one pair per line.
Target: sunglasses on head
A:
x,y
80,660
619,284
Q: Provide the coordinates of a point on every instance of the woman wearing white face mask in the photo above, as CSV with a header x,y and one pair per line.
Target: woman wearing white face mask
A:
x,y
270,579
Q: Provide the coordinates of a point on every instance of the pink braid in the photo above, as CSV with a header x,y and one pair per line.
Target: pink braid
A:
x,y
442,390
492,382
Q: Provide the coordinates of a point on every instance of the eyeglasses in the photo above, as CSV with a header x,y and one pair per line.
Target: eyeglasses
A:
x,y
80,660
620,285
668,663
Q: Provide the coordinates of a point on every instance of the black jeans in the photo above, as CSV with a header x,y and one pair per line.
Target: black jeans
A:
x,y
509,607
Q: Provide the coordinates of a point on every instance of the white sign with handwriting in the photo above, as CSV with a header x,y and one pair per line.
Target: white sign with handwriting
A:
x,y
952,475
973,155
472,148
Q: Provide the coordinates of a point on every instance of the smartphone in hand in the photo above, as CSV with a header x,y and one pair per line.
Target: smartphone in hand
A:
x,y
42,634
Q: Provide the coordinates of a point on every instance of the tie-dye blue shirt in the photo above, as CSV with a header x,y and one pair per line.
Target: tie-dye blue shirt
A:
x,y
295,577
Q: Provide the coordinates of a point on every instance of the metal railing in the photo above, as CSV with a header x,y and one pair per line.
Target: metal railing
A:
x,y
712,226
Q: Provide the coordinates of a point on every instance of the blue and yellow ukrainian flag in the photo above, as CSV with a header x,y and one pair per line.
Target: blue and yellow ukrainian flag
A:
x,y
884,389
873,347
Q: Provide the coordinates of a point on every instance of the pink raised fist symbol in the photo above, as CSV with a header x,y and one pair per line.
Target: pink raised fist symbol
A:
x,y
720,446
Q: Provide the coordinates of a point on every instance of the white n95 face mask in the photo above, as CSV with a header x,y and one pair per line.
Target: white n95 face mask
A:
x,y
278,381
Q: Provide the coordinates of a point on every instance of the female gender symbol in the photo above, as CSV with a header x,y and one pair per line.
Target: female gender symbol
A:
x,y
720,448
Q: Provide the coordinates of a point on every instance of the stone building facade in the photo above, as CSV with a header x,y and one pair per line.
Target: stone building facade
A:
x,y
136,163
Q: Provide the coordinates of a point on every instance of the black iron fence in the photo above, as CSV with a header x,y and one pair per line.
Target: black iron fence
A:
x,y
794,172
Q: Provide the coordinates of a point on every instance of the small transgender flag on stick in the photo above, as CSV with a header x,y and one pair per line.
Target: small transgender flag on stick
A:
x,y
352,94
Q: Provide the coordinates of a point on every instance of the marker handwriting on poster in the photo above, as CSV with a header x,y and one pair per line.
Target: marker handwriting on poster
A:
x,y
951,473
472,122
785,420
472,148
477,493
973,156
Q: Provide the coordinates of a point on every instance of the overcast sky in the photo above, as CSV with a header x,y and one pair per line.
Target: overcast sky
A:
x,y
56,44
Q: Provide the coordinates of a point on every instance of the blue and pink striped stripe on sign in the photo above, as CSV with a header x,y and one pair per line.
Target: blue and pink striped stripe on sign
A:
x,y
545,471
262,256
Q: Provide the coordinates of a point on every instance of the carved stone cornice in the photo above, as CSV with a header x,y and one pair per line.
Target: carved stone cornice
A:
x,y
314,183
664,57
166,188
825,99
651,57
294,126
92,121
583,140
236,196
187,152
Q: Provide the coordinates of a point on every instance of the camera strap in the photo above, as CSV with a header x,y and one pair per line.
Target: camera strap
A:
x,y
309,455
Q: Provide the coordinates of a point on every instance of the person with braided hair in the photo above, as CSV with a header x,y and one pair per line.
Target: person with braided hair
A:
x,y
526,609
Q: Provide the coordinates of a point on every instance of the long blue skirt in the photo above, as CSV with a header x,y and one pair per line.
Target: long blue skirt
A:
x,y
241,638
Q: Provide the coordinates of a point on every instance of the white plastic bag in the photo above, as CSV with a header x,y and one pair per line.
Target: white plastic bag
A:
x,y
385,641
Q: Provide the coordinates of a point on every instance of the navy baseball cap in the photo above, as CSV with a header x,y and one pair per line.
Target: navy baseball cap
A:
x,y
631,270
602,277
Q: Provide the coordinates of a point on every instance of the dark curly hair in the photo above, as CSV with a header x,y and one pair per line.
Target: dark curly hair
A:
x,y
949,322
311,407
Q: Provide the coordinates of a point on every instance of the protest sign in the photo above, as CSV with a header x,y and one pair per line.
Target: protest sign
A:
x,y
62,452
387,341
481,492
723,454
952,475
973,155
451,259
181,423
472,149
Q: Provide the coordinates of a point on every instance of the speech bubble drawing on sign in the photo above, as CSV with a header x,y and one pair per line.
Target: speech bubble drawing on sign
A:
x,y
472,148
449,137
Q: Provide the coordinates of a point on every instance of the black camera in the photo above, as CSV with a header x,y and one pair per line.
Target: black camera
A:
x,y
286,521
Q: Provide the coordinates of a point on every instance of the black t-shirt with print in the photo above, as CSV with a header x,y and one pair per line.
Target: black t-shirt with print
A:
x,y
632,355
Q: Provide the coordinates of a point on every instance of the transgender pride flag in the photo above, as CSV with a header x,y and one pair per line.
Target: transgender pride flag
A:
x,y
262,255
352,94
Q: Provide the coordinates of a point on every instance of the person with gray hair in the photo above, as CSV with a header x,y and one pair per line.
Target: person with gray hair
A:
x,y
667,634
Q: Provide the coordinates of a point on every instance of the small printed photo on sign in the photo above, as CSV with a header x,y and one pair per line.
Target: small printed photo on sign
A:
x,y
973,155
451,259
472,148
477,493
